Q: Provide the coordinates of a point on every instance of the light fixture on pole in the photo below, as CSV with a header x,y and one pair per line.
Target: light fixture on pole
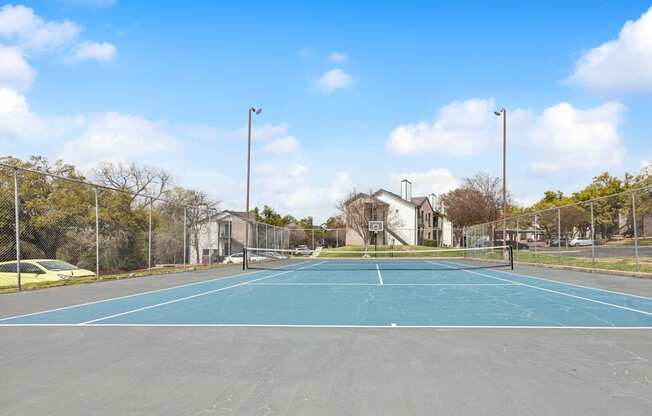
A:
x,y
245,256
503,113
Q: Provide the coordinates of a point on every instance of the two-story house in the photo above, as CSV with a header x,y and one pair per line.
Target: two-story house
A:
x,y
408,220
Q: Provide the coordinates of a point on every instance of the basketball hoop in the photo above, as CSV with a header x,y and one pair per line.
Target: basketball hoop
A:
x,y
376,226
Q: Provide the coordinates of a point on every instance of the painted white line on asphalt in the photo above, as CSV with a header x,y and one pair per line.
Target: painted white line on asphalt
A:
x,y
552,291
128,296
548,327
380,276
574,284
191,296
377,284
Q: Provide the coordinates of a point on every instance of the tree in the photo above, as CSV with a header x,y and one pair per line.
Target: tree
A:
x,y
138,180
55,214
357,209
170,215
477,200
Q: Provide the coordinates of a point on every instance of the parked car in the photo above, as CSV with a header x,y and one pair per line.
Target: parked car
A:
x,y
302,250
577,242
237,258
40,270
554,242
274,255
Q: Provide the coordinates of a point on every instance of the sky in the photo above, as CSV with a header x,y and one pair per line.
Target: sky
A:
x,y
353,96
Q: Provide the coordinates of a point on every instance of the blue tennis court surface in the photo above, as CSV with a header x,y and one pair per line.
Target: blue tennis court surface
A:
x,y
381,297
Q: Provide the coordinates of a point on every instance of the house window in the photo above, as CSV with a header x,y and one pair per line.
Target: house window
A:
x,y
428,235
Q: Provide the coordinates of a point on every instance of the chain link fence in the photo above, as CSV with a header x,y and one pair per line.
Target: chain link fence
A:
x,y
612,232
55,230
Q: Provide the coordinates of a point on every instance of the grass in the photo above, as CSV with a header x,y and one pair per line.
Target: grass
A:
x,y
10,285
627,264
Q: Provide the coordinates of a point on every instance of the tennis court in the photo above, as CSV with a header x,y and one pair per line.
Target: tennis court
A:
x,y
363,292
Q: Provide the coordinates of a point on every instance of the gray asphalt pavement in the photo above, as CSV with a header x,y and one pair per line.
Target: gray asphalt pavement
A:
x,y
319,371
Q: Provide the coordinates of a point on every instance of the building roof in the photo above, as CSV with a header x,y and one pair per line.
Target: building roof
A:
x,y
362,195
418,200
392,194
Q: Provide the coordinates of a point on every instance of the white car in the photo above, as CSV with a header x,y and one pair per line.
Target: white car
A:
x,y
577,242
237,258
302,250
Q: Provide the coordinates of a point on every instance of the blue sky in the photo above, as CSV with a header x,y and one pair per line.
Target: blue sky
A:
x,y
353,96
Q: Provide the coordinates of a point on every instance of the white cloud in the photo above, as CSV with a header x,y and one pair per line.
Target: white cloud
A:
x,y
24,29
338,57
623,64
283,146
119,137
92,51
437,181
294,189
565,138
460,128
20,24
297,170
561,138
15,72
340,187
17,122
333,80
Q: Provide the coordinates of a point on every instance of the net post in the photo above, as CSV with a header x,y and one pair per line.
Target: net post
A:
x,y
245,266
511,257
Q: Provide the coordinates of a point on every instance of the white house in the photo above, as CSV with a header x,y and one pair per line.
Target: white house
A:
x,y
409,220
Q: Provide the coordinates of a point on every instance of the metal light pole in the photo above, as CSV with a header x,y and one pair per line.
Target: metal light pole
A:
x,y
245,257
503,112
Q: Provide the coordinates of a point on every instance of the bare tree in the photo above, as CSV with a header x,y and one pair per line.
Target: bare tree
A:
x,y
139,180
357,209
199,209
478,200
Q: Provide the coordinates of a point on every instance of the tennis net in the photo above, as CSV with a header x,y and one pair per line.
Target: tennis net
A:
x,y
346,259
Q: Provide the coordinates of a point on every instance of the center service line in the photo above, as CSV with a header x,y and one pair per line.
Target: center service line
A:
x,y
380,276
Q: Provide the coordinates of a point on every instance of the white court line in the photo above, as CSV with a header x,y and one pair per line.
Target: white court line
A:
x,y
573,284
384,284
380,276
129,296
554,291
546,327
192,296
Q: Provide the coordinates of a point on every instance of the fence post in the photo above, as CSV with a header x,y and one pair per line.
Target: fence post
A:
x,y
185,234
97,235
638,268
17,219
559,235
149,238
592,237
337,237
